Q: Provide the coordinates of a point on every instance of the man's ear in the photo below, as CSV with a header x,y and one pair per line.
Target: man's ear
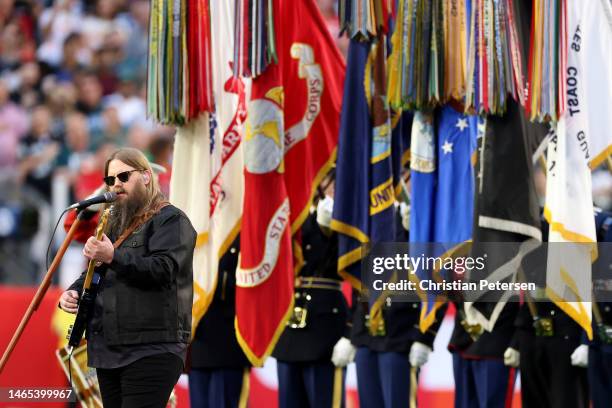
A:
x,y
146,176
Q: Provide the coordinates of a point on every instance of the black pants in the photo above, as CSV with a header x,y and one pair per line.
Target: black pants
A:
x,y
147,382
600,375
548,379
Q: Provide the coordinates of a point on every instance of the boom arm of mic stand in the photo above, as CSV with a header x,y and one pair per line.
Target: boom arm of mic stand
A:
x,y
42,289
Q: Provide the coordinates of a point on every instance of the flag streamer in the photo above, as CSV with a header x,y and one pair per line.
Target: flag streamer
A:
x,y
179,80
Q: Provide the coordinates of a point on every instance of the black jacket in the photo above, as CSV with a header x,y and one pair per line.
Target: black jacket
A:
x,y
326,319
146,292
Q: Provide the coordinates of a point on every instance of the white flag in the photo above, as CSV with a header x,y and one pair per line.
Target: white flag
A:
x,y
596,59
581,141
207,181
189,192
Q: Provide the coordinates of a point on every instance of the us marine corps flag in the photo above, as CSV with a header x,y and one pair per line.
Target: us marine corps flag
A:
x,y
291,136
207,180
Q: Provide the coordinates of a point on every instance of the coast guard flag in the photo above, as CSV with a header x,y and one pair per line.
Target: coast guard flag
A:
x,y
442,188
212,157
291,137
581,142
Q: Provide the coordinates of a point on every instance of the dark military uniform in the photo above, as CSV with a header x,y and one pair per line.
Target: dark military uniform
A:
x,y
481,378
548,378
219,368
384,374
600,349
306,375
600,360
383,371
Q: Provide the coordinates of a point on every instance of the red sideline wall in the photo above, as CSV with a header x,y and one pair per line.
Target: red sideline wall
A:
x,y
33,362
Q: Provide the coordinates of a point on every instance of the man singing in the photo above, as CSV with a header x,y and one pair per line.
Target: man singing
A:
x,y
141,323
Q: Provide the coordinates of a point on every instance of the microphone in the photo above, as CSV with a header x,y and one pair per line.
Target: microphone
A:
x,y
107,197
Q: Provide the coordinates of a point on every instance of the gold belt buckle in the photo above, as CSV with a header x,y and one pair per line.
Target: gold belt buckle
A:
x,y
543,327
474,330
377,331
298,318
605,333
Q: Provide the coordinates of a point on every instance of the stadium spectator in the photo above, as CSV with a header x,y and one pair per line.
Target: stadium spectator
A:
x,y
37,153
13,126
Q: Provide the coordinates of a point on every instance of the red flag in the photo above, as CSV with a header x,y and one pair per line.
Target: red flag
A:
x,y
313,75
264,279
291,138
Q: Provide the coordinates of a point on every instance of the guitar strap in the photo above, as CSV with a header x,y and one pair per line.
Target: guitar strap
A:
x,y
138,223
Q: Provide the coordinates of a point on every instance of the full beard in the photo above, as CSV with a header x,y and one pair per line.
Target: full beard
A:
x,y
124,212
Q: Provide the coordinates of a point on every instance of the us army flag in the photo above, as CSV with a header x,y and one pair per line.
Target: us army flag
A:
x,y
207,180
581,140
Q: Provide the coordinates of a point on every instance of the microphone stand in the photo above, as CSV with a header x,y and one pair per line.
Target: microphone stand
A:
x,y
42,290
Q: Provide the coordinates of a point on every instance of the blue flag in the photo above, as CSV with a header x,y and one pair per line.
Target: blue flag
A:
x,y
457,135
442,190
369,160
351,211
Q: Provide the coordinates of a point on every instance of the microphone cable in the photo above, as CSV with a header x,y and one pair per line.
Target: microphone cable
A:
x,y
53,236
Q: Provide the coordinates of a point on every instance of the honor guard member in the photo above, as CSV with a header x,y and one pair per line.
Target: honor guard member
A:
x,y
219,376
485,362
547,339
307,377
388,356
483,368
598,355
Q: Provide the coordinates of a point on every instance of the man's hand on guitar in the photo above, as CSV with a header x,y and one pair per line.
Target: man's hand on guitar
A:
x,y
101,251
68,301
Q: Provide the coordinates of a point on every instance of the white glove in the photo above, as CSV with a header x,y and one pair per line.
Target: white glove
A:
x,y
324,211
512,357
344,352
405,213
419,354
580,356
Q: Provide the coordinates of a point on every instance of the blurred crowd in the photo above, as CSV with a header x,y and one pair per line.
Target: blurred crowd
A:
x,y
72,88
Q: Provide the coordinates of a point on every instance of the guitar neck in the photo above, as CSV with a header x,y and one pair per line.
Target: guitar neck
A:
x,y
92,263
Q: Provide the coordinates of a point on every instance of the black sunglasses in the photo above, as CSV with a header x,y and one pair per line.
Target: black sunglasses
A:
x,y
123,177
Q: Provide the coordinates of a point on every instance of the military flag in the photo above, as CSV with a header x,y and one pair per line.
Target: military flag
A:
x,y
208,152
313,68
582,141
506,208
442,182
351,211
291,137
190,171
179,76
